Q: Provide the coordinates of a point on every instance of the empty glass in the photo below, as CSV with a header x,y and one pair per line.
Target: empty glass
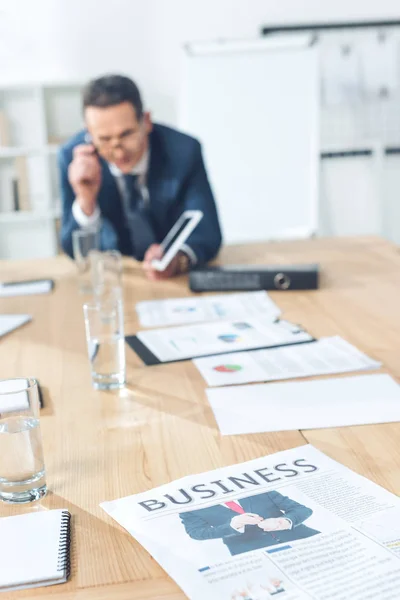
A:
x,y
22,472
106,270
104,324
84,241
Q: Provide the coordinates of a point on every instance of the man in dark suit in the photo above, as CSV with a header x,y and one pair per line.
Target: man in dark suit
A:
x,y
250,523
134,179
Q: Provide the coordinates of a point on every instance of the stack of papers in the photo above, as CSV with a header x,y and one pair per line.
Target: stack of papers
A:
x,y
323,357
244,342
306,404
10,322
178,311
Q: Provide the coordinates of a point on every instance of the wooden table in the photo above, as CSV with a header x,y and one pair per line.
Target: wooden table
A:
x,y
104,445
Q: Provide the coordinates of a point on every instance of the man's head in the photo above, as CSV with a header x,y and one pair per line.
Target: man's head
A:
x,y
115,119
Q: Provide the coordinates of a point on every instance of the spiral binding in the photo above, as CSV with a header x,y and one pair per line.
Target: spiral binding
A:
x,y
64,558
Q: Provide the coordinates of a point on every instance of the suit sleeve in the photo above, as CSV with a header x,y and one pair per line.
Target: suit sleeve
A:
x,y
199,529
297,513
108,236
206,239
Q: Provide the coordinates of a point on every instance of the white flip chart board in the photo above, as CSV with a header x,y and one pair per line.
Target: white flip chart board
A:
x,y
255,107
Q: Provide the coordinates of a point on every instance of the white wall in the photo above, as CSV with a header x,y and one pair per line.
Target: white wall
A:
x,y
75,39
60,40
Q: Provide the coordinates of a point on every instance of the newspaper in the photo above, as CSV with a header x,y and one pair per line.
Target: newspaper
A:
x,y
295,525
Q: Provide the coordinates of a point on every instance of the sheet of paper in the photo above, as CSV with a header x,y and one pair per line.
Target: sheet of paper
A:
x,y
10,322
176,311
322,357
25,288
306,404
181,343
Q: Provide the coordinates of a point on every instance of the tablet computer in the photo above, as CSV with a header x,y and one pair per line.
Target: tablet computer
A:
x,y
177,236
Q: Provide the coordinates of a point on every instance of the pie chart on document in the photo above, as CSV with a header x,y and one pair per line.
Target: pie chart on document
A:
x,y
228,368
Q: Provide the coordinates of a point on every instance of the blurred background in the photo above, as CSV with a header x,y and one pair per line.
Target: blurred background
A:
x,y
310,138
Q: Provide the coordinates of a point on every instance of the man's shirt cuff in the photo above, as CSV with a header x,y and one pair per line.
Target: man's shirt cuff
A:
x,y
190,254
85,221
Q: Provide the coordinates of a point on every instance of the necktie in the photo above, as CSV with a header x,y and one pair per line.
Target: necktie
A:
x,y
132,190
235,506
138,218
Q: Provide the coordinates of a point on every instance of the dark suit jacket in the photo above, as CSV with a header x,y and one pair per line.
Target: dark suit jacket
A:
x,y
177,181
214,522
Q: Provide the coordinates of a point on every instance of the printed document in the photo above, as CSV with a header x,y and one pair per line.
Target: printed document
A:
x,y
177,311
356,400
323,357
295,525
186,342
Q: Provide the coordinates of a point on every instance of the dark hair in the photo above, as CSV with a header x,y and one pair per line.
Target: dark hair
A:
x,y
111,90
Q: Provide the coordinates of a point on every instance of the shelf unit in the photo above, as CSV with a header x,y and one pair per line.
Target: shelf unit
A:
x,y
34,121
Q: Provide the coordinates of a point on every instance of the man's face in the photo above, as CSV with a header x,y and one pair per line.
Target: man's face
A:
x,y
118,135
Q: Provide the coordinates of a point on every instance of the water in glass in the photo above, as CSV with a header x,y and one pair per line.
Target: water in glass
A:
x,y
22,473
107,361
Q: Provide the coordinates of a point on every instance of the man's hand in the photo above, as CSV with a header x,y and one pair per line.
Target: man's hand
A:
x,y
84,174
155,253
275,524
245,519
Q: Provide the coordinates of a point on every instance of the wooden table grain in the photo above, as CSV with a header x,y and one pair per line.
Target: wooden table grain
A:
x,y
103,445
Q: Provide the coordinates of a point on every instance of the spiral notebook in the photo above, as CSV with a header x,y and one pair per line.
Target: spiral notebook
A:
x,y
34,549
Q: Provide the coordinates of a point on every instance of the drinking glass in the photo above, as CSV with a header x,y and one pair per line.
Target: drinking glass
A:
x,y
22,471
106,270
84,241
104,325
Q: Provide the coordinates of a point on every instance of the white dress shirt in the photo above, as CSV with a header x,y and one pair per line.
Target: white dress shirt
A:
x,y
140,169
241,529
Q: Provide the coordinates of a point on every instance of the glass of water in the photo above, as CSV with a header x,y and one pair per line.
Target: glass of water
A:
x,y
104,324
106,269
22,472
85,241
